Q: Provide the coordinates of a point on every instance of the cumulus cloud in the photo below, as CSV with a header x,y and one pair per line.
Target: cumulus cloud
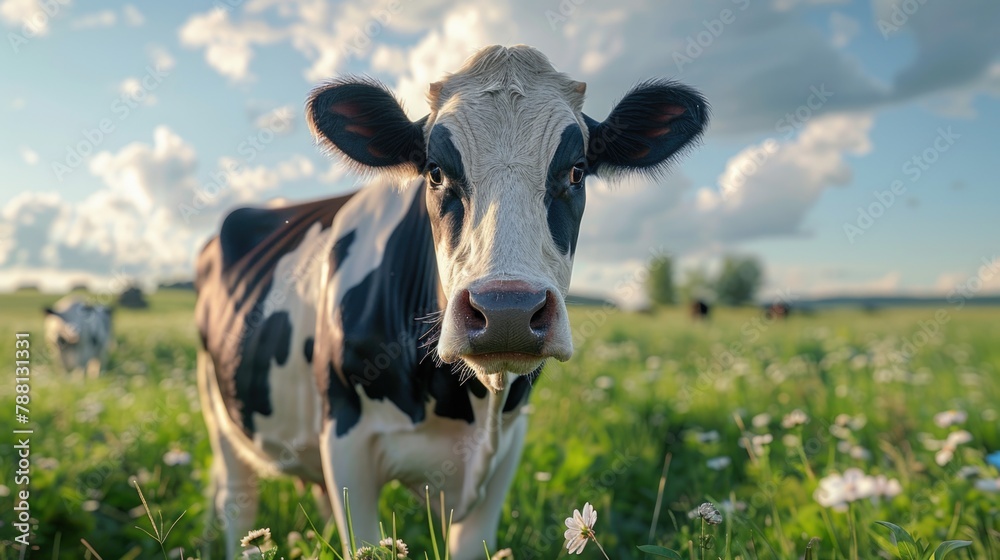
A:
x,y
30,15
228,46
844,28
28,155
132,15
144,221
765,190
104,18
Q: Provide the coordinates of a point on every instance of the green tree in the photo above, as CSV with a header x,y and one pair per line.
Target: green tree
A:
x,y
738,280
660,283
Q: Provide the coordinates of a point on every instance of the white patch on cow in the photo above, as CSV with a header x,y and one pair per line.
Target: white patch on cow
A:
x,y
290,435
372,214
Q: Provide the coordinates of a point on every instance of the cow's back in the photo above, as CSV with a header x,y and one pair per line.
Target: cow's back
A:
x,y
257,285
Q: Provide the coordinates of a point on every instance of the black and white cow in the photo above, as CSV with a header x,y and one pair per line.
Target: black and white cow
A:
x,y
394,333
78,334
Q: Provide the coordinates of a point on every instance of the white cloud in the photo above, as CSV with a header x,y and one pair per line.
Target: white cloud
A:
x,y
132,15
31,16
280,120
132,89
104,18
161,58
843,28
136,224
28,155
767,193
228,46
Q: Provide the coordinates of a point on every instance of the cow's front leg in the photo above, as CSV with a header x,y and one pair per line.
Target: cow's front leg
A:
x,y
347,463
466,538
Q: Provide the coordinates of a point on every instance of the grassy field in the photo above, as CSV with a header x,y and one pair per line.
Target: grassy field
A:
x,y
717,398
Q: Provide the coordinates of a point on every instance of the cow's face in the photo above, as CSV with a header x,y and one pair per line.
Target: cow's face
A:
x,y
78,333
504,155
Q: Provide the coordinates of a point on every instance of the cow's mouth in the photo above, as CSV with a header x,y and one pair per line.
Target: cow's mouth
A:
x,y
518,363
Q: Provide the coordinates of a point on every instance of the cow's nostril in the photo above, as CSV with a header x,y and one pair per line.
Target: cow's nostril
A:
x,y
541,318
475,320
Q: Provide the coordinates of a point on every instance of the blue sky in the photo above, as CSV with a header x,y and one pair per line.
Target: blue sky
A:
x,y
217,79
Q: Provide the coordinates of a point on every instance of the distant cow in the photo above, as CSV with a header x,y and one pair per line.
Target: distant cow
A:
x,y
394,333
78,334
777,310
700,309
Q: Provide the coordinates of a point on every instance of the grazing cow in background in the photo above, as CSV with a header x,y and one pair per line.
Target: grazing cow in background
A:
x,y
700,309
78,334
777,310
394,333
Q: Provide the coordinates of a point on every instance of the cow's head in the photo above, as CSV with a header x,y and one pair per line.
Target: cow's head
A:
x,y
505,153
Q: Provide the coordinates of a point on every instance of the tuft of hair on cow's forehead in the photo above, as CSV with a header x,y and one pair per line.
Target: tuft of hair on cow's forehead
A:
x,y
519,71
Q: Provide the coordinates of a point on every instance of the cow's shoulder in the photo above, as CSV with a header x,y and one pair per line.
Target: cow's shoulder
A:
x,y
250,303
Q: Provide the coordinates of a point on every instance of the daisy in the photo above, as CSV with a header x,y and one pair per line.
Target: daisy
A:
x,y
794,418
718,463
580,528
709,513
256,537
950,418
402,551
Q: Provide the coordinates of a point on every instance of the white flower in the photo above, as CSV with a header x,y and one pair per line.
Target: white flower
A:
x,y
988,484
604,382
503,553
709,513
256,537
836,490
364,553
718,463
176,457
950,418
542,476
794,418
402,551
761,420
948,446
580,528
708,437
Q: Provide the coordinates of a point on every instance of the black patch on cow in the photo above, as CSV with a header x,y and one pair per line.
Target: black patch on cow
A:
x,y
340,250
244,229
520,389
447,204
307,350
565,202
271,341
382,351
235,273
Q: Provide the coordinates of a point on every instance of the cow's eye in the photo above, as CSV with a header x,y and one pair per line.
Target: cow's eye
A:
x,y
576,175
436,177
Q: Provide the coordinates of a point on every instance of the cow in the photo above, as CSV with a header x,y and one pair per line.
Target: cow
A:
x,y
699,309
78,334
394,333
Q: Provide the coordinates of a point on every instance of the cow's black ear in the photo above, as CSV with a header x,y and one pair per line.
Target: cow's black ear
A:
x,y
654,122
359,118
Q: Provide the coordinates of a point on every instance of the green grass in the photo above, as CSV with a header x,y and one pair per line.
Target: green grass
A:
x,y
638,388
